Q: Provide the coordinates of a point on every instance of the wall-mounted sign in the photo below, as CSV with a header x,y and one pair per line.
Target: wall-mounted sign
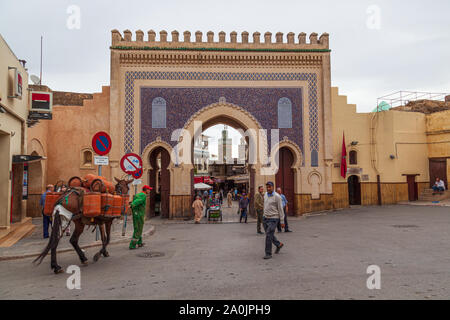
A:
x,y
41,101
101,160
18,84
354,170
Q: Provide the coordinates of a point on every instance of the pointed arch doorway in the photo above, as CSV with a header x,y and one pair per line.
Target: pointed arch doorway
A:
x,y
159,180
284,178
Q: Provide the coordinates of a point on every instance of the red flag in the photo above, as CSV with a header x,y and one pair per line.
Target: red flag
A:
x,y
343,158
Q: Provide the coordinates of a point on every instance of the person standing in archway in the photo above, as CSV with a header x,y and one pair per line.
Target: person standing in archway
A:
x,y
259,207
229,199
138,209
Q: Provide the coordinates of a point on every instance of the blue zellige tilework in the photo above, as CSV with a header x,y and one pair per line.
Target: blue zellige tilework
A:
x,y
234,94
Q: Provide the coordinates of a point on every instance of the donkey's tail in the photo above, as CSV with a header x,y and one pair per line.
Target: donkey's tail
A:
x,y
53,241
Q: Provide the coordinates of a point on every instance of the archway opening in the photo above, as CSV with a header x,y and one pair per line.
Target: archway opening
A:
x,y
284,178
159,180
35,186
354,190
220,156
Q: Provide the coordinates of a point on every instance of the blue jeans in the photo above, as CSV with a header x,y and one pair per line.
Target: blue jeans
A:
x,y
243,214
269,227
46,223
436,188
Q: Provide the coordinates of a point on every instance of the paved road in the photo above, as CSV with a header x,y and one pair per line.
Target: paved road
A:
x,y
325,258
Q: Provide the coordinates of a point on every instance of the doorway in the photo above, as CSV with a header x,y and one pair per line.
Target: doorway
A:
x,y
354,190
412,187
438,169
284,178
159,178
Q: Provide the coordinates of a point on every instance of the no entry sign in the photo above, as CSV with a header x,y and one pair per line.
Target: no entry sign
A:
x,y
101,143
131,164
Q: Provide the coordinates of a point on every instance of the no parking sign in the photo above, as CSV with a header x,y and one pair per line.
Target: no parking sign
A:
x,y
131,164
101,143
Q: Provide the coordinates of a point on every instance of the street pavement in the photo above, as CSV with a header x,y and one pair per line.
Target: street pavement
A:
x,y
326,257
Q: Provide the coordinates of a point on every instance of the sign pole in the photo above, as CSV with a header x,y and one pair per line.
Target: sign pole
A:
x,y
97,231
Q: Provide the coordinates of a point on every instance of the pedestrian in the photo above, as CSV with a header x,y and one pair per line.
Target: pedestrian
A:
x,y
273,213
221,196
243,204
229,199
208,204
138,209
235,194
285,210
439,186
198,209
46,222
259,207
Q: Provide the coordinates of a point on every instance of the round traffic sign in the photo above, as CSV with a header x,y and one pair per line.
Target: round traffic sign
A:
x,y
137,174
131,163
101,143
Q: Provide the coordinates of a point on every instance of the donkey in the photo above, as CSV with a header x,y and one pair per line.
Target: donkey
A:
x,y
72,201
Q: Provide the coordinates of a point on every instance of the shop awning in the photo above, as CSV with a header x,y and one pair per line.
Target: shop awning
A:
x,y
22,158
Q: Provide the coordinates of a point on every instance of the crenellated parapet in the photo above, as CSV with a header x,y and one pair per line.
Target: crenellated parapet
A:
x,y
269,42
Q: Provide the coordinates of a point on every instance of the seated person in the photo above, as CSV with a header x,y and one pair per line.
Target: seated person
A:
x,y
439,186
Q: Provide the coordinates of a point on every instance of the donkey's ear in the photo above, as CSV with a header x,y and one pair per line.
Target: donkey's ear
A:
x,y
117,180
130,181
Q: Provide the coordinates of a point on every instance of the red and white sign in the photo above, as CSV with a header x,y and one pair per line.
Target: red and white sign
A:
x,y
131,164
41,101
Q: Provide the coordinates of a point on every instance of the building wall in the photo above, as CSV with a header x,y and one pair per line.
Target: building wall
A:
x,y
438,137
378,136
67,136
12,134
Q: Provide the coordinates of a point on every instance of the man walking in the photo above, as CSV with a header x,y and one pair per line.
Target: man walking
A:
x,y
229,199
138,209
259,207
46,219
285,210
243,204
273,214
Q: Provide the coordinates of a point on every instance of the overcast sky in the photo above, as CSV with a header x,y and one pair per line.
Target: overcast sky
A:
x,y
378,47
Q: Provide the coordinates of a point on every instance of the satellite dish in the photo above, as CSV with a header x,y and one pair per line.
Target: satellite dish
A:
x,y
35,79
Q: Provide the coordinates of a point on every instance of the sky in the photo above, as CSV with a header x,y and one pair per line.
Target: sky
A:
x,y
378,47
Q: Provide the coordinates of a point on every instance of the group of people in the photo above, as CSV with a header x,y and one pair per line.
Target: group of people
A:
x,y
271,210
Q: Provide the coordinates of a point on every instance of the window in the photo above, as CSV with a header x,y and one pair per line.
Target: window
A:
x,y
284,113
353,157
159,113
86,158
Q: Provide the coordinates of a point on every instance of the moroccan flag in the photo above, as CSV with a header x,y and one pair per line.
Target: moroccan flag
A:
x,y
343,158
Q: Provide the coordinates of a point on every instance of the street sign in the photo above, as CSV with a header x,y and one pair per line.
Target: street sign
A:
x,y
101,143
136,182
137,174
101,160
131,164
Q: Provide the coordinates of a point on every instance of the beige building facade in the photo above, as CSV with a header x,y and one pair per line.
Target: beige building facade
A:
x,y
13,127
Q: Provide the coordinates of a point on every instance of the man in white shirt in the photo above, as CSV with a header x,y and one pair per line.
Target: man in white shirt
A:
x,y
273,214
439,186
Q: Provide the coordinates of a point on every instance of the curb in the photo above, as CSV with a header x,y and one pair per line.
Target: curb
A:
x,y
149,232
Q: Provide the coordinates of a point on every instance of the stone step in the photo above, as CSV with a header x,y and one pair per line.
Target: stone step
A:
x,y
18,231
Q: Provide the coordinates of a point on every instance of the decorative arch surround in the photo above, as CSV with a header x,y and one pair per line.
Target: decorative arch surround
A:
x,y
36,145
294,148
225,109
152,146
311,78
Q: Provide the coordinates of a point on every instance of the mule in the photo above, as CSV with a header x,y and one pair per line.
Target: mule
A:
x,y
72,201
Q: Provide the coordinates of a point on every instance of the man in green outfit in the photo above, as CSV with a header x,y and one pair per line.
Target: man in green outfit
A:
x,y
138,208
